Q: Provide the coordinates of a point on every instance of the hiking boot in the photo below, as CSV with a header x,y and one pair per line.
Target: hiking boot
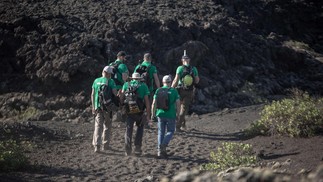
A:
x,y
105,148
178,129
162,152
138,151
96,149
127,153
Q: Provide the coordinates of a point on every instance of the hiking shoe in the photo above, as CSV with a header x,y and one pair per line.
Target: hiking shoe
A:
x,y
127,153
138,151
162,154
105,148
96,149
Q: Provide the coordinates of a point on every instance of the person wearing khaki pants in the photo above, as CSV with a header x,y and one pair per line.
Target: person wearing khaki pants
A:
x,y
103,122
186,92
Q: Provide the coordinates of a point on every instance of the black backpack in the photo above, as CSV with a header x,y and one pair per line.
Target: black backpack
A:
x,y
144,72
134,105
114,75
162,98
108,101
188,71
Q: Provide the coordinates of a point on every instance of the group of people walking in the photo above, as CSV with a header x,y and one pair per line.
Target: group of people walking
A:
x,y
141,100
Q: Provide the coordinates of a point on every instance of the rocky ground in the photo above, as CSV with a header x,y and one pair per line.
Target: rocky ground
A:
x,y
247,53
62,150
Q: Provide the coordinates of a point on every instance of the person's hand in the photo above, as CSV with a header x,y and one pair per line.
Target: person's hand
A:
x,y
150,123
93,111
153,119
147,118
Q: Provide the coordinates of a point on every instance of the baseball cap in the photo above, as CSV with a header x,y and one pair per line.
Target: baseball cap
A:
x,y
108,69
167,79
121,53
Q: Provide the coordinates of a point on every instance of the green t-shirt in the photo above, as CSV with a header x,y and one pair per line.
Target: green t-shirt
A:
x,y
96,86
180,72
152,70
171,112
122,68
142,89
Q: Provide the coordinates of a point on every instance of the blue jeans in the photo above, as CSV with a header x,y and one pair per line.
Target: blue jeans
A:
x,y
139,134
165,124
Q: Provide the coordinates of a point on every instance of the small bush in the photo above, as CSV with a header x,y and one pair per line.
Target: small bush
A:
x,y
298,116
12,157
231,155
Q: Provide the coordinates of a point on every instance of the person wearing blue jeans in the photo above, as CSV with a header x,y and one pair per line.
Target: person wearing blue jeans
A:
x,y
166,116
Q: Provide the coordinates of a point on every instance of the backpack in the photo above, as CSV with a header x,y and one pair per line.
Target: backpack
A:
x,y
162,99
108,101
114,75
187,78
144,72
134,105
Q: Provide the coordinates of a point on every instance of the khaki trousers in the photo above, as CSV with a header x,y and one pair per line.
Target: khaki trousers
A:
x,y
186,97
102,129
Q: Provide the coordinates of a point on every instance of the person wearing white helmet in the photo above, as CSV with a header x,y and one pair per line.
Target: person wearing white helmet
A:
x,y
185,80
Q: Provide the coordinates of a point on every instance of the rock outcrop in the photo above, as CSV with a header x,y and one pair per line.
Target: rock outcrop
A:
x,y
246,51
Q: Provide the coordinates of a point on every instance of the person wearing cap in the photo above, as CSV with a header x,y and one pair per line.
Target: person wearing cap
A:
x,y
186,94
120,77
102,124
166,118
122,69
152,72
142,92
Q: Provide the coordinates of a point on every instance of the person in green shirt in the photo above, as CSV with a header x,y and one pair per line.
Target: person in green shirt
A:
x,y
185,80
153,81
103,124
134,96
166,117
122,72
120,76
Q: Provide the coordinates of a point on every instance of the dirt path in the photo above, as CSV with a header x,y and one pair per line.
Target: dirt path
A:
x,y
64,152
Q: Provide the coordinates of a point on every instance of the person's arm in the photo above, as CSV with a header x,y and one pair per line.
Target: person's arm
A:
x,y
153,109
175,81
196,79
196,76
147,107
178,109
92,101
156,80
125,76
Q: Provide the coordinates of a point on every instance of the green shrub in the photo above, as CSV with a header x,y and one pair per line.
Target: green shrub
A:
x,y
231,155
298,116
12,156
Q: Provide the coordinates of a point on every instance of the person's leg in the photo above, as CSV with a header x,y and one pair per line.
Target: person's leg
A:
x,y
186,101
128,135
170,126
161,133
161,130
97,134
139,134
107,125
